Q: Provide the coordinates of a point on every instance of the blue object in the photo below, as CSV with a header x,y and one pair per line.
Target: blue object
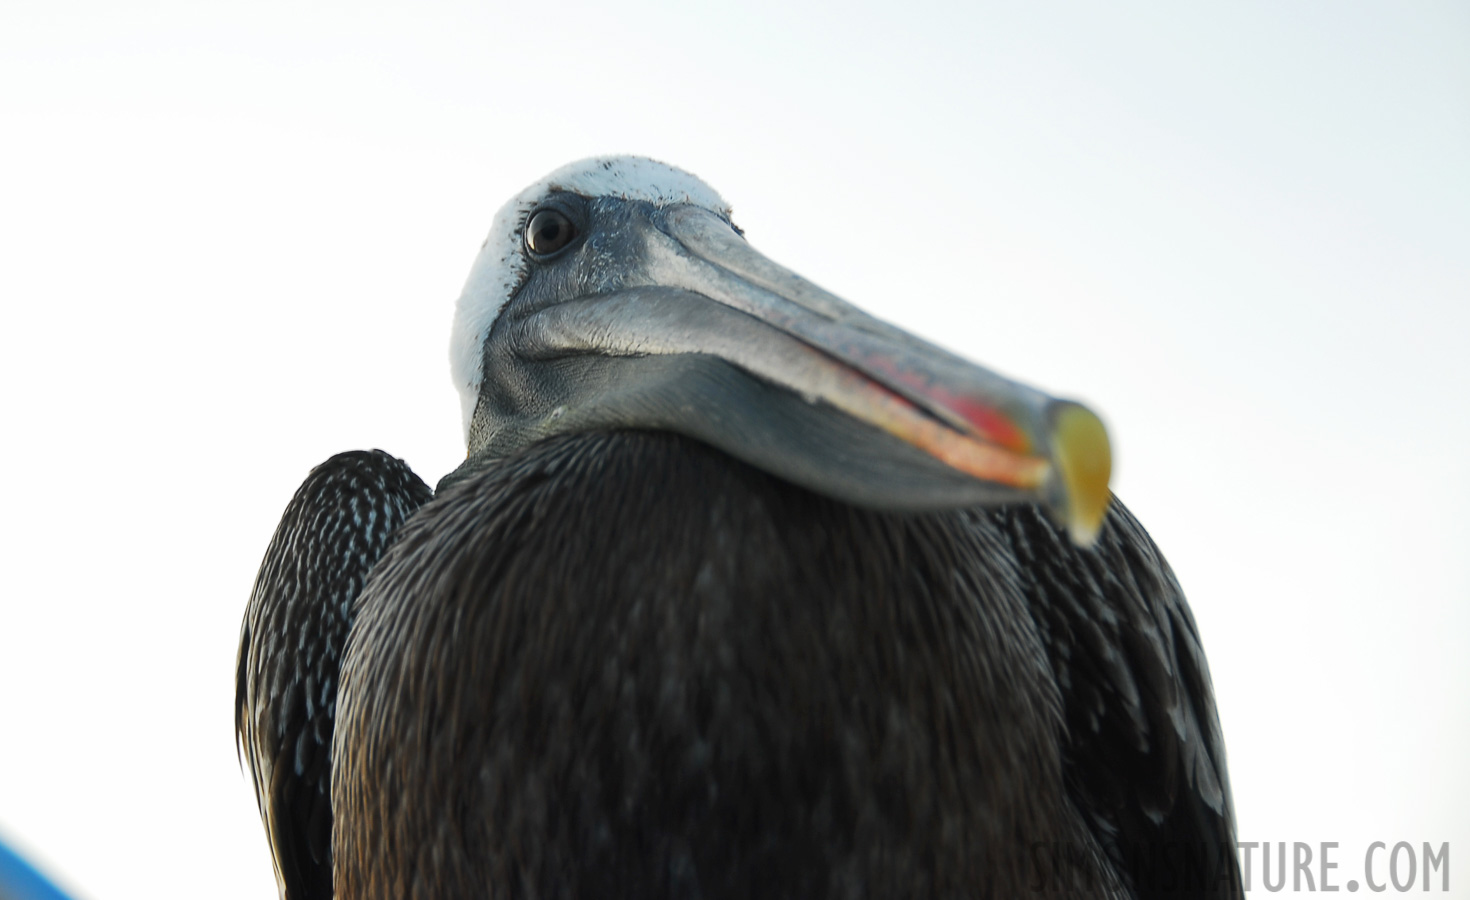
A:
x,y
19,880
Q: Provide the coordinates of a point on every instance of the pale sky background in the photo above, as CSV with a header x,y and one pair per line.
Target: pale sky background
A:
x,y
231,236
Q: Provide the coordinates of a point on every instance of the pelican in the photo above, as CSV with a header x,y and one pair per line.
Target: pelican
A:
x,y
739,592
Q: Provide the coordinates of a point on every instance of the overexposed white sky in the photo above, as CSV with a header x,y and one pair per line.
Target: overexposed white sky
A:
x,y
231,236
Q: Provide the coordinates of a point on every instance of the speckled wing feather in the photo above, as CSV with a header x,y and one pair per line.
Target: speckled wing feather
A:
x,y
1144,754
334,530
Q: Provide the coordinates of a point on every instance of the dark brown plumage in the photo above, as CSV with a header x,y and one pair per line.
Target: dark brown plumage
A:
x,y
334,530
629,666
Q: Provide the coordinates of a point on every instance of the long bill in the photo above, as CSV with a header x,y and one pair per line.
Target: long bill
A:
x,y
704,291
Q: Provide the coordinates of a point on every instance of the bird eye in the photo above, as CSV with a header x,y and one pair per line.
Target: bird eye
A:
x,y
549,231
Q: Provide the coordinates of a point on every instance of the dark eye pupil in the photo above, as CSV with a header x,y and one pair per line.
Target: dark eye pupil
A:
x,y
549,231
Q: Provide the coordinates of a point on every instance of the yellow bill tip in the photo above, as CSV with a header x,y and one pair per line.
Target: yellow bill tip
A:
x,y
1083,458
